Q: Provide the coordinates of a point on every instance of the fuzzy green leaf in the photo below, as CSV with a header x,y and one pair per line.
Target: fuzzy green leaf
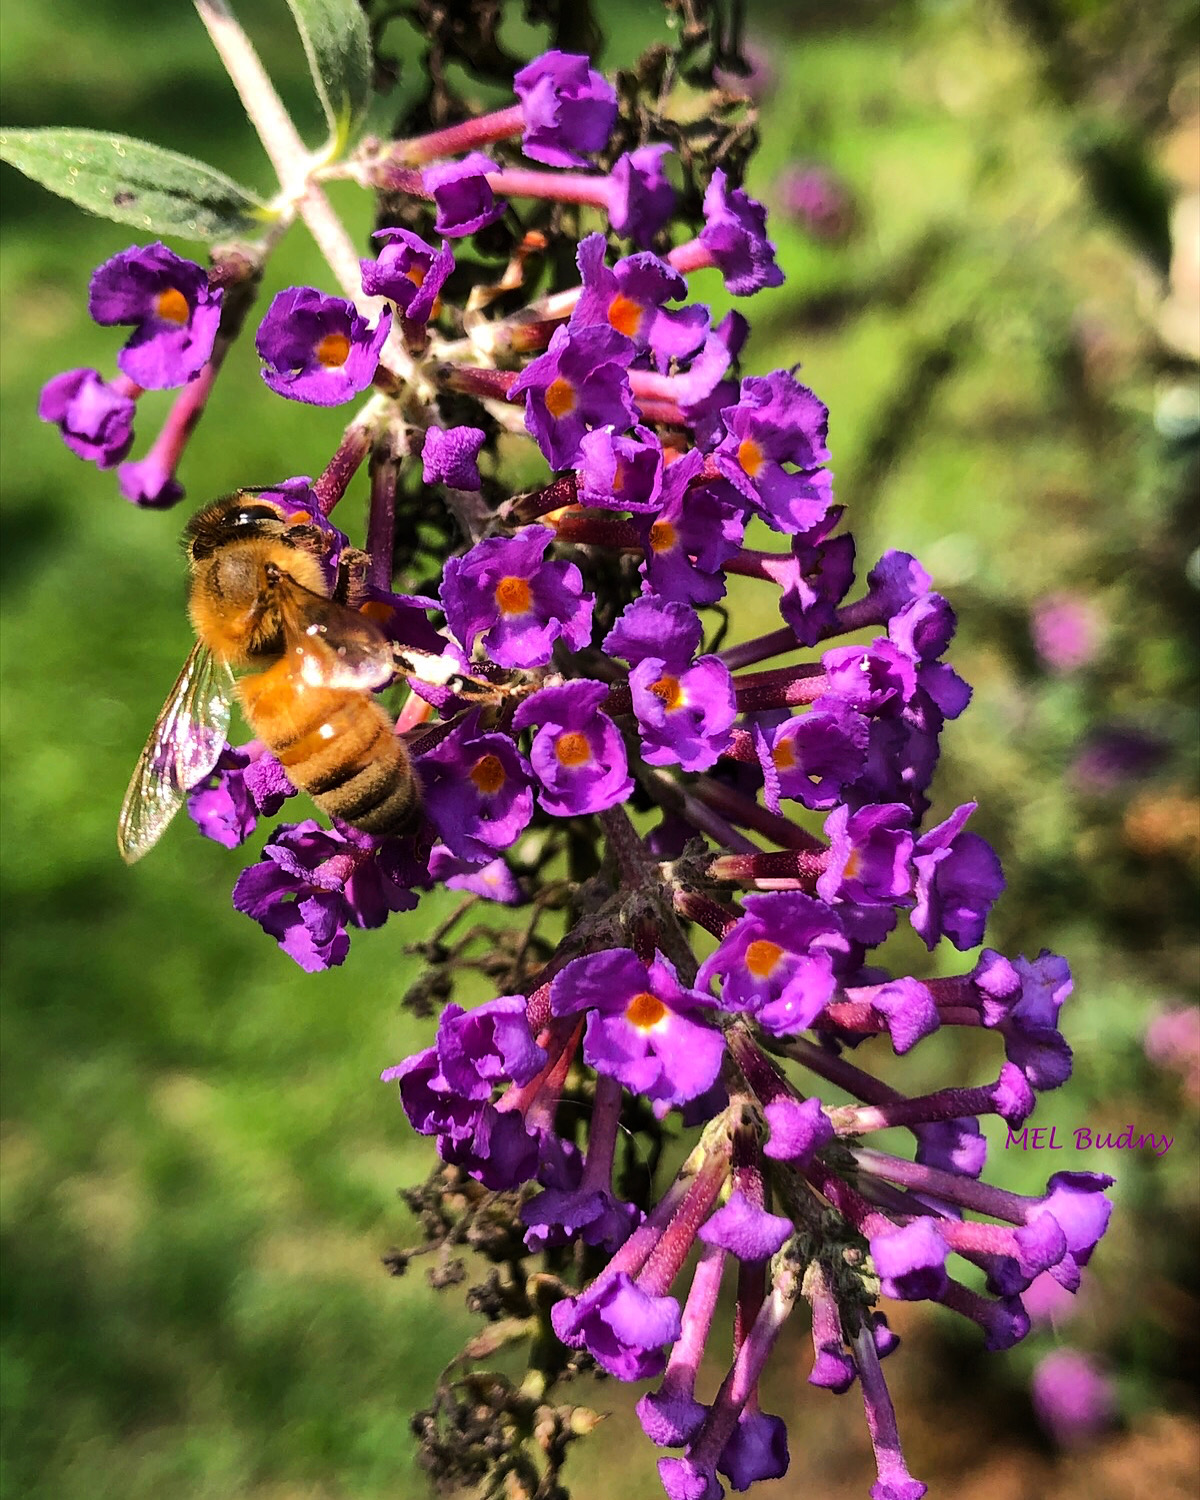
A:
x,y
338,44
136,183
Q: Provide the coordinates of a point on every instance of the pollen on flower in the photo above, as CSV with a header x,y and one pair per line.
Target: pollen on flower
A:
x,y
514,595
560,397
750,456
416,274
762,956
663,536
669,689
620,475
488,775
333,350
572,749
645,1011
625,315
172,306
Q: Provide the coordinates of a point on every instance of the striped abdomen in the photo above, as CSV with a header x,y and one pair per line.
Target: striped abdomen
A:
x,y
336,744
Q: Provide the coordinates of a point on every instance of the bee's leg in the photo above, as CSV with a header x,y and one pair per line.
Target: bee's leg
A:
x,y
350,585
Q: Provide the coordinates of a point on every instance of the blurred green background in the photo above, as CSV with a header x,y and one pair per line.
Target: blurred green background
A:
x,y
199,1170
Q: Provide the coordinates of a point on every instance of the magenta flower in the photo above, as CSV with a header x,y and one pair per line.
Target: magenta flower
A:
x,y
318,349
630,298
408,272
476,790
568,108
506,591
578,754
640,200
94,417
735,235
464,198
579,383
640,1028
175,312
1074,1399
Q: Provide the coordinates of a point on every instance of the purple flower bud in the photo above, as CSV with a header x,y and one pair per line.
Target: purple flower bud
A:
x,y
94,417
504,590
748,1232
568,108
450,456
735,235
911,1261
798,1129
641,200
175,312
464,198
318,349
408,272
1074,1400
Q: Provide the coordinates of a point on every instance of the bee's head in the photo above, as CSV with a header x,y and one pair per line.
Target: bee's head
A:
x,y
238,517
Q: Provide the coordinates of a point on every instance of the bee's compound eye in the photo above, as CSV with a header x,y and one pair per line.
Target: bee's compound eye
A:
x,y
251,515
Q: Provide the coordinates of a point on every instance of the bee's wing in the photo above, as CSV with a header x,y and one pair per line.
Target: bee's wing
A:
x,y
331,645
184,746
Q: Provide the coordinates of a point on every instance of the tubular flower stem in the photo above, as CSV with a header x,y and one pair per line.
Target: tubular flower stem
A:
x,y
998,1203
702,909
671,1414
596,531
895,1482
557,495
944,1104
331,485
381,518
709,1442
750,814
668,1255
472,380
783,687
801,867
603,1128
456,140
761,648
674,797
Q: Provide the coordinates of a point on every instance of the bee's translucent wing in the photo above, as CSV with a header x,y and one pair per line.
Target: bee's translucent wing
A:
x,y
183,747
330,644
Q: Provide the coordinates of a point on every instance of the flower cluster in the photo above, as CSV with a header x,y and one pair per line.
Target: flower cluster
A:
x,y
569,666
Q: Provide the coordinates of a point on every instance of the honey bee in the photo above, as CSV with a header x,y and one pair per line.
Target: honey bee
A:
x,y
258,599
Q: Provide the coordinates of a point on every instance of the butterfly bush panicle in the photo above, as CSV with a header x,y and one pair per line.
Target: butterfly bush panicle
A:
x,y
595,739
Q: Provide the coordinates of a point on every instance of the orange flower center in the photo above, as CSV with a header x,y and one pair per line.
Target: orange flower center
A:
x,y
332,350
172,306
560,397
853,865
784,755
750,456
620,475
572,749
488,775
513,596
415,274
645,1011
625,315
662,536
669,690
762,956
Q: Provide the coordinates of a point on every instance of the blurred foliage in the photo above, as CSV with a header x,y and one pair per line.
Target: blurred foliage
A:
x,y
199,1170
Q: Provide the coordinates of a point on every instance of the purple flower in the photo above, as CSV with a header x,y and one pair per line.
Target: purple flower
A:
x,y
579,383
640,200
94,417
911,1261
480,1049
578,754
568,107
450,457
869,869
318,349
624,1328
798,1129
149,483
505,590
408,272
630,298
1074,1400
811,756
697,530
464,198
684,708
958,878
639,1028
175,312
493,881
621,473
735,235
781,961
315,881
246,782
1066,632
476,790
814,579
778,421
818,200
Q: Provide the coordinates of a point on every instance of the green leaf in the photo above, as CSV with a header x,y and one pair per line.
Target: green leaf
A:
x,y
136,183
338,44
